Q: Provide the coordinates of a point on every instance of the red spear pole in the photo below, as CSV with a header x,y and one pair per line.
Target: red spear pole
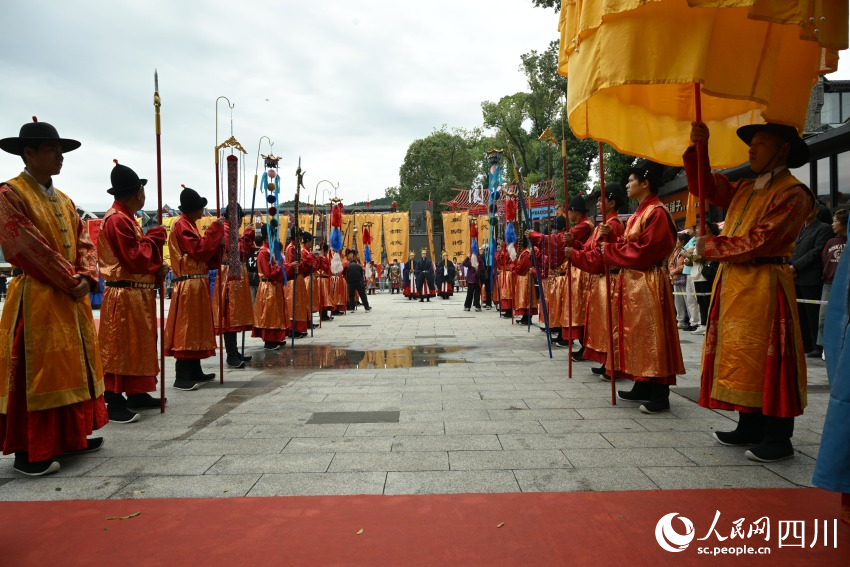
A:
x,y
569,263
607,285
156,104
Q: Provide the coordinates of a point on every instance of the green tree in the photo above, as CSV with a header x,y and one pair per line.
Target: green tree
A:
x,y
435,165
551,4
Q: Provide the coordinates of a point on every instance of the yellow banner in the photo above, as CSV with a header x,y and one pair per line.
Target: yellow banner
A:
x,y
483,223
397,235
456,235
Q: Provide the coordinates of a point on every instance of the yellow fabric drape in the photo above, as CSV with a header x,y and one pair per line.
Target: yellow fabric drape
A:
x,y
456,235
632,65
377,245
397,234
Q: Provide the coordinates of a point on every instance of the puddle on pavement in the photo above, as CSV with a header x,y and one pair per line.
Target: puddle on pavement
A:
x,y
331,357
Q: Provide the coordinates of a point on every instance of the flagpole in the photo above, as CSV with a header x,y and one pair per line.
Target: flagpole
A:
x,y
220,297
607,283
569,261
157,102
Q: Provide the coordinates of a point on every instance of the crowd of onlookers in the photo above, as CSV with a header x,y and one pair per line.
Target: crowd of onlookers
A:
x,y
816,253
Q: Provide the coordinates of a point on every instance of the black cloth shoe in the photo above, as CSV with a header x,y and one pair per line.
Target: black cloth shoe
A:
x,y
421,300
93,444
749,431
577,355
300,335
185,385
599,371
562,343
522,320
197,374
235,361
776,445
272,346
507,314
367,308
428,300
817,352
116,408
640,392
38,468
142,401
659,399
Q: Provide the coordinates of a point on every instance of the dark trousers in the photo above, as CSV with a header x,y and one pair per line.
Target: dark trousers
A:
x,y
473,296
809,314
360,288
488,293
703,300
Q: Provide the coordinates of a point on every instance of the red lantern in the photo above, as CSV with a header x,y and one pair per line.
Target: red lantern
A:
x,y
367,204
394,206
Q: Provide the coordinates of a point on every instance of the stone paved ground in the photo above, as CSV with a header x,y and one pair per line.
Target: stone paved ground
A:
x,y
496,415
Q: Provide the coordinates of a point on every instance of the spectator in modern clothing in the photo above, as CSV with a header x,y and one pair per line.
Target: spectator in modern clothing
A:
x,y
807,267
690,290
702,284
356,283
3,281
830,257
472,264
675,266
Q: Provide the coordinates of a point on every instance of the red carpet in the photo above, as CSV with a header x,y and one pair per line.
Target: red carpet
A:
x,y
583,528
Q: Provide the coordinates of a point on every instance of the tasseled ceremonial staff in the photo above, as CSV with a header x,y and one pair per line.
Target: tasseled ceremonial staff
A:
x,y
336,241
527,215
296,248
156,104
220,297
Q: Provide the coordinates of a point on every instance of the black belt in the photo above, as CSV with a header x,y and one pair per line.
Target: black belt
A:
x,y
270,281
127,283
17,272
190,277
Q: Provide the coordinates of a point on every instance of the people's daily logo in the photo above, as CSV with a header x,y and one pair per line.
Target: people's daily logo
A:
x,y
671,540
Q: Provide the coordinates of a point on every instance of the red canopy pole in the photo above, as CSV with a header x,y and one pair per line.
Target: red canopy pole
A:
x,y
609,367
156,104
701,155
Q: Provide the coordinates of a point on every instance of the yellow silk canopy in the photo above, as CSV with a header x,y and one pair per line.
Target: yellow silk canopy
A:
x,y
632,64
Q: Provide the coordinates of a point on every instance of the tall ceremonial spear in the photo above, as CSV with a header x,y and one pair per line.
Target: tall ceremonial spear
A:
x,y
527,215
156,104
607,281
296,246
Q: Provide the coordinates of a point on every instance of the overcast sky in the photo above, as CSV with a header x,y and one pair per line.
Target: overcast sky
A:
x,y
347,85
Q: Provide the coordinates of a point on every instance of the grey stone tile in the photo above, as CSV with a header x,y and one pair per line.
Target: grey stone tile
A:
x,y
233,446
204,486
569,402
705,424
581,480
319,484
484,404
661,439
555,441
507,460
808,450
620,457
390,461
592,425
798,470
58,488
284,431
421,396
534,414
450,482
422,405
517,393
338,445
391,429
668,478
158,466
492,427
445,415
446,443
223,432
282,463
623,410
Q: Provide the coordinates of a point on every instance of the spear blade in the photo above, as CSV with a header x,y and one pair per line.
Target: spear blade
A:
x,y
155,81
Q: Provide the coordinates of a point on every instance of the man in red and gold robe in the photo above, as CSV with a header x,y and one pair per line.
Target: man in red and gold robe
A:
x,y
572,322
599,302
504,280
189,335
238,313
272,320
51,380
753,359
301,306
525,285
650,352
322,300
131,265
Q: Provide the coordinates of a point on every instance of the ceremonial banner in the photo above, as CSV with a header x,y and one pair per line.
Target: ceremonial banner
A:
x,y
456,235
483,223
376,231
347,229
397,235
93,227
305,222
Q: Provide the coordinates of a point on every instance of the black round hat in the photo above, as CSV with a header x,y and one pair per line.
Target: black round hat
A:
x,y
36,131
560,223
191,201
799,152
648,171
306,236
124,180
578,204
613,191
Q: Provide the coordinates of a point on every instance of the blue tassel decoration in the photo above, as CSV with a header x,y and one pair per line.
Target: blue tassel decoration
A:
x,y
367,254
336,239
